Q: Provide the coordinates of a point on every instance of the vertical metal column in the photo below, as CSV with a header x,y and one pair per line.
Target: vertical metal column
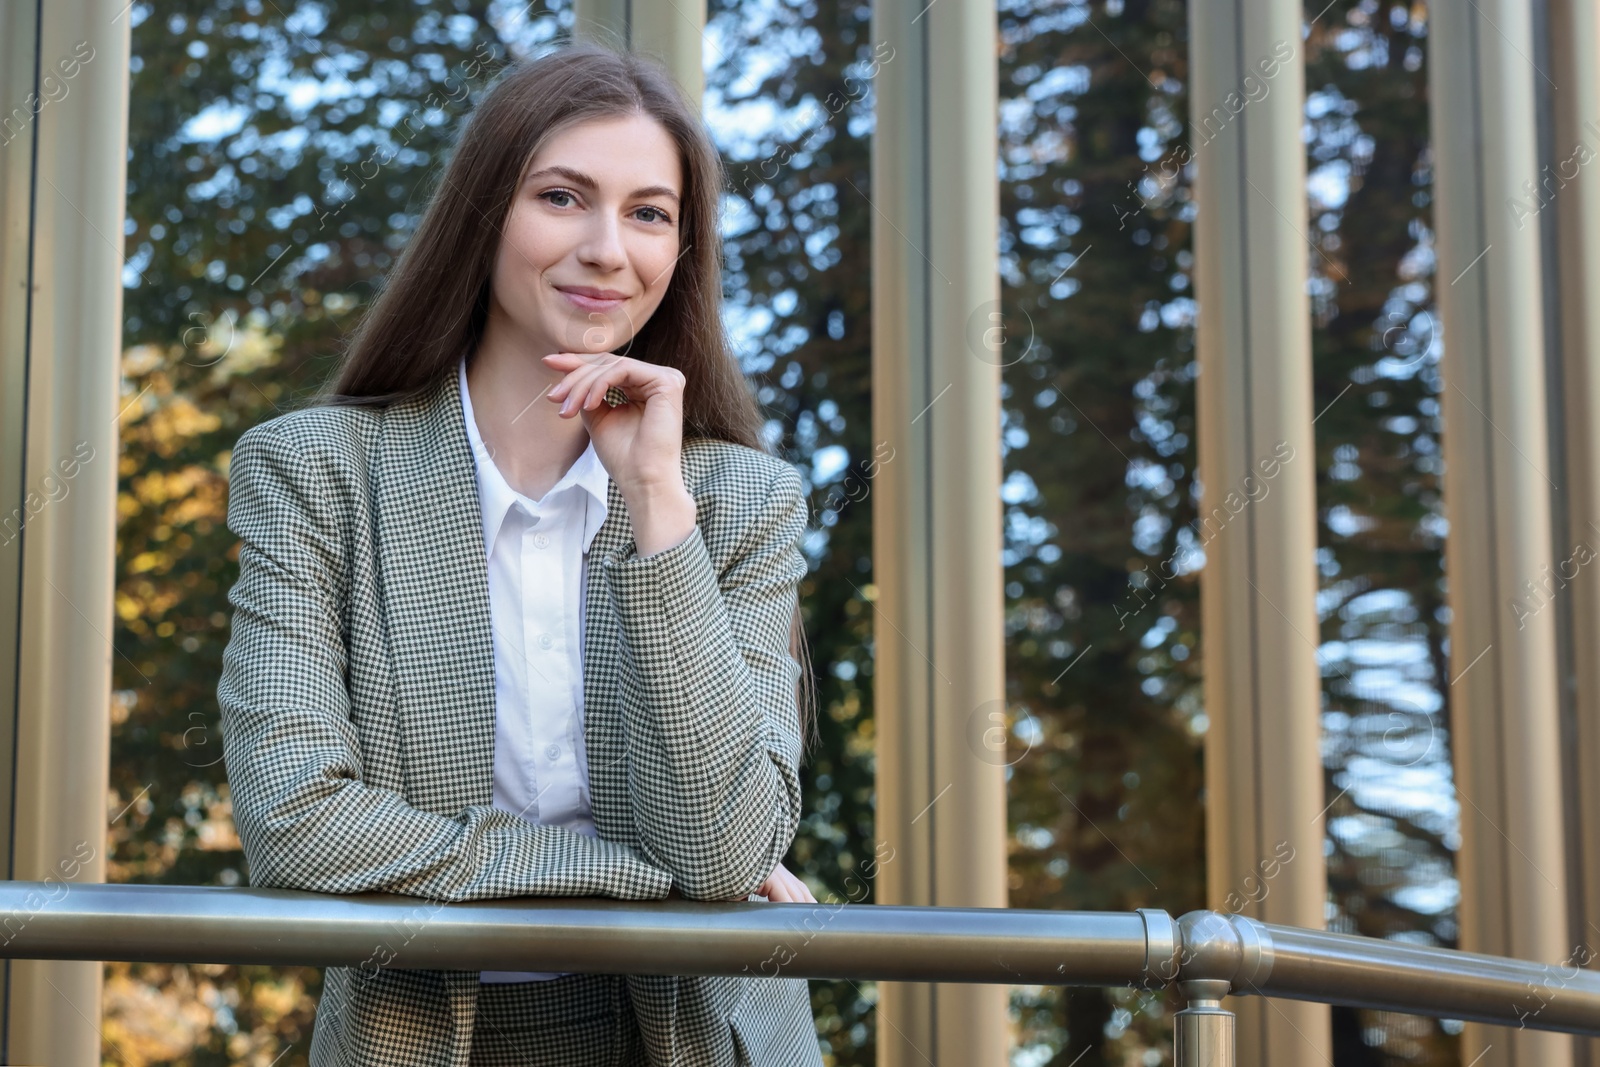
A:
x,y
1203,1032
672,30
1258,514
19,62
1497,493
1565,207
939,667
64,165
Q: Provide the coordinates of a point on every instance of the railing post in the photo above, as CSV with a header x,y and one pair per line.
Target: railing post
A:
x,y
1202,1033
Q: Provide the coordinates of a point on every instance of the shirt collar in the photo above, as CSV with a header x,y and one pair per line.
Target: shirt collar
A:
x,y
496,497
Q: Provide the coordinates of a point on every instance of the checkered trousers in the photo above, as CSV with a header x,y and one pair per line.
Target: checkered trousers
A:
x,y
581,1020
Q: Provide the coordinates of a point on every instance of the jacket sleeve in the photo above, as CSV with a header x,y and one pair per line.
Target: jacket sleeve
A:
x,y
305,816
713,734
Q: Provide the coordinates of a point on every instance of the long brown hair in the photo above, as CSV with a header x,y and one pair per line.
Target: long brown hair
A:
x,y
432,308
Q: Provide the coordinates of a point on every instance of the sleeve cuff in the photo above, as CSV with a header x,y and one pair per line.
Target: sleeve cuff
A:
x,y
629,552
667,598
626,555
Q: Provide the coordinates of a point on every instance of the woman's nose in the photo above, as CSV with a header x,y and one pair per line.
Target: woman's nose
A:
x,y
602,245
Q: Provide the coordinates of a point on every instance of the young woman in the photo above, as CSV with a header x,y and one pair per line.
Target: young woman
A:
x,y
517,603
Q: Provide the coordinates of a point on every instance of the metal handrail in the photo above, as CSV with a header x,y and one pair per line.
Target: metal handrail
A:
x,y
1207,954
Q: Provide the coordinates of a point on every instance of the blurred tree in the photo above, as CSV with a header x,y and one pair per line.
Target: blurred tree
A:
x,y
1392,822
1104,672
789,99
279,159
1105,786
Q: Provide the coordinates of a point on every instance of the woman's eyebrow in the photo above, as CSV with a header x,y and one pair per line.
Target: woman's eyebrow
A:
x,y
577,177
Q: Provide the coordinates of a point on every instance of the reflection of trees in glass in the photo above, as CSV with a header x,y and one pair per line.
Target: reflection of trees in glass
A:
x,y
1392,820
274,156
1102,597
280,153
789,99
1104,807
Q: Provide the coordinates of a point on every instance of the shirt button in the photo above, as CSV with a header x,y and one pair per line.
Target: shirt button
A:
x,y
553,751
545,641
541,540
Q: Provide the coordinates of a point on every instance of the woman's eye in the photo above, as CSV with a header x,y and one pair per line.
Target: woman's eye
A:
x,y
551,195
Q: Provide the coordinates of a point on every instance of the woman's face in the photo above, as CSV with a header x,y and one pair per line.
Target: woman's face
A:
x,y
592,238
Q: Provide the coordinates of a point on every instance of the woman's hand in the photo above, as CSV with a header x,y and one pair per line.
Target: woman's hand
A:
x,y
640,442
784,888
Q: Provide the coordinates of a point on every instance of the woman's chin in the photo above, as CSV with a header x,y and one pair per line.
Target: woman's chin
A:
x,y
589,334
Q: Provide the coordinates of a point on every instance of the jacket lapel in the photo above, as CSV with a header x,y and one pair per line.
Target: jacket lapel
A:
x,y
436,597
602,718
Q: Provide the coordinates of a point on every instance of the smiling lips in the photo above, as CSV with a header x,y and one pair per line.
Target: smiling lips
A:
x,y
590,299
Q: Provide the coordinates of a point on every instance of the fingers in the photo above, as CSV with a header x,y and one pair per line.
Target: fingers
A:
x,y
582,388
589,377
784,887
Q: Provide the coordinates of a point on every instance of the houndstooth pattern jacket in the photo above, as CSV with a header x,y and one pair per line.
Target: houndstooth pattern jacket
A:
x,y
357,698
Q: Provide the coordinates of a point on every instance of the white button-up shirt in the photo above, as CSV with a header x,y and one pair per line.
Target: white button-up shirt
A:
x,y
537,551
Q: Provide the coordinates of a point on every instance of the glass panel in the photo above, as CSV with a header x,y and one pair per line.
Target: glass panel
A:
x,y
277,162
789,97
279,153
1103,667
1392,819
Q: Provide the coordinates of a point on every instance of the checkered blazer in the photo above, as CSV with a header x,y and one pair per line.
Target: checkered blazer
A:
x,y
357,697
